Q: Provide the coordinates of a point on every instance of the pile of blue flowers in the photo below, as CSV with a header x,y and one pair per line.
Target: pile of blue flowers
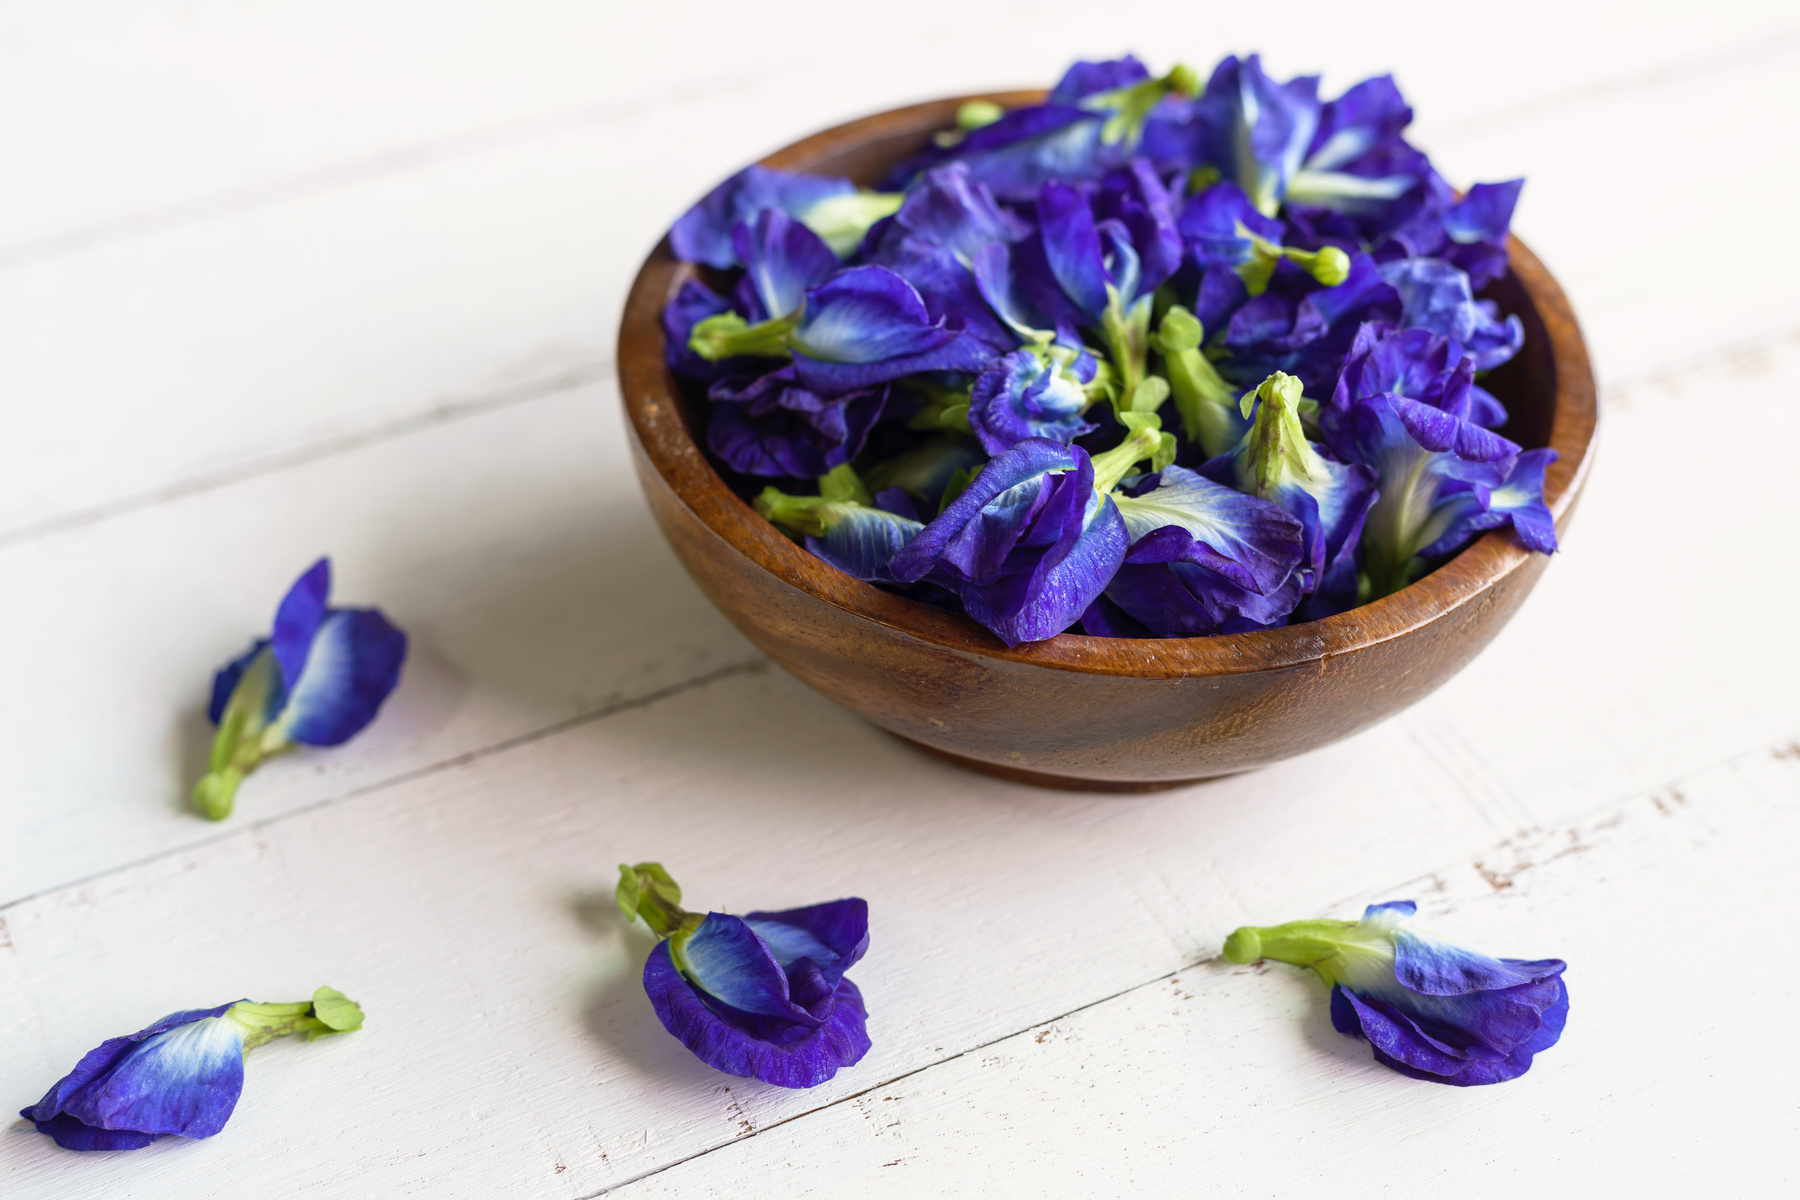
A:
x,y
1150,359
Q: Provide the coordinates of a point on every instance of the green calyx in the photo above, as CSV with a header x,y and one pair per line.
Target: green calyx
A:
x,y
728,335
646,890
245,737
1130,106
945,409
1337,950
329,1011
1276,449
1328,264
1204,400
1144,440
841,221
970,116
839,490
1126,332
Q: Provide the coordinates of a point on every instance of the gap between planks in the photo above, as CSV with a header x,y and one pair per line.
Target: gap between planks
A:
x,y
1608,815
753,666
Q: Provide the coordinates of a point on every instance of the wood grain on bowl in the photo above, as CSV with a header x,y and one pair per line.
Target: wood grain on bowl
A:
x,y
1077,711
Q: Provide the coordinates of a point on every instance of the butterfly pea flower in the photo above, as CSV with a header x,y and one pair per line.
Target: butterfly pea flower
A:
x,y
180,1076
1108,257
1220,225
318,680
762,996
844,525
1400,411
1302,329
1205,558
861,327
1330,499
1028,394
775,425
1430,1009
1468,231
832,208
1036,536
1437,296
1517,503
1077,136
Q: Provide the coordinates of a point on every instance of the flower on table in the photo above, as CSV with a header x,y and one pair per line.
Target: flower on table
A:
x,y
180,1076
762,996
317,680
1431,1009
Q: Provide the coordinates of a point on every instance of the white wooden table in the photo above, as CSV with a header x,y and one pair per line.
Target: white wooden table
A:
x,y
282,279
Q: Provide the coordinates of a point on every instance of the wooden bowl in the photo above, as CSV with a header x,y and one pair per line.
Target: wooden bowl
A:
x,y
1092,713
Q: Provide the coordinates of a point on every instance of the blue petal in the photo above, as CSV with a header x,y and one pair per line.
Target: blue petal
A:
x,y
866,315
1084,78
1017,284
1367,115
1072,246
181,1075
950,290
1026,461
774,426
703,233
1485,214
839,928
353,665
952,209
725,959
782,259
1211,221
1253,542
783,1053
1022,396
1029,147
1433,967
298,618
862,541
1438,297
691,305
1047,597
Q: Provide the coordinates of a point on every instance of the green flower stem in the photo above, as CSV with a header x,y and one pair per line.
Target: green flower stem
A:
x,y
1302,943
727,335
328,1012
646,890
244,739
1204,400
1144,441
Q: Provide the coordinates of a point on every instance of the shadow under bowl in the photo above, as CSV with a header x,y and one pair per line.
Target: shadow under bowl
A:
x,y
1104,714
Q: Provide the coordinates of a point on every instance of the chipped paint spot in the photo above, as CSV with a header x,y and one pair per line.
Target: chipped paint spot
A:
x,y
1789,752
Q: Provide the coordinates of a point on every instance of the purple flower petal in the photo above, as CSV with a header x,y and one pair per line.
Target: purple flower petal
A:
x,y
298,618
353,665
725,959
1021,396
782,260
703,233
1071,244
1084,78
784,1053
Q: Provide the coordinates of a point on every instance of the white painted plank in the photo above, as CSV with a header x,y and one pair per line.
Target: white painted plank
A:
x,y
210,347
239,102
508,1034
1230,1080
507,1037
514,547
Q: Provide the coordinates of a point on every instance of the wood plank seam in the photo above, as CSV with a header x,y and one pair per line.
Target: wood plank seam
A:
x,y
753,666
430,419
387,164
1434,891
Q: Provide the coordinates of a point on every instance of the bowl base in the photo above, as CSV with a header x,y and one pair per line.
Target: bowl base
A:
x,y
1066,783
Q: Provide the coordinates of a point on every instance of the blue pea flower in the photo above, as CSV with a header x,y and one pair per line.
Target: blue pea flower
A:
x,y
1024,395
1205,558
1437,296
1468,231
1299,327
866,325
832,208
318,680
762,996
782,260
1220,226
180,1076
1080,134
1432,1010
1406,405
1330,499
774,425
1518,502
1255,130
854,532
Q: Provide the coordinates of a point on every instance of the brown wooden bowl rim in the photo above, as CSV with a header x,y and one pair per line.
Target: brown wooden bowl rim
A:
x,y
647,388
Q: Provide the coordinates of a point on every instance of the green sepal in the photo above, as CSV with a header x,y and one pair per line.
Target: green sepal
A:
x,y
1144,439
1201,178
1149,394
1302,943
654,896
958,484
328,1012
842,221
841,485
244,739
727,335
945,409
1130,105
1203,399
